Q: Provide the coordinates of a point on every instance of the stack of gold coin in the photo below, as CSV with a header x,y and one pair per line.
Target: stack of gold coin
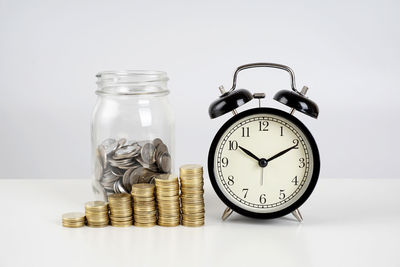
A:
x,y
191,176
144,206
96,213
73,219
167,192
120,209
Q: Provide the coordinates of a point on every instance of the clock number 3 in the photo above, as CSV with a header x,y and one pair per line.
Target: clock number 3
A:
x,y
302,164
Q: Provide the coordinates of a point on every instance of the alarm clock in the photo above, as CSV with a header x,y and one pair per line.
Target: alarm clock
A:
x,y
263,162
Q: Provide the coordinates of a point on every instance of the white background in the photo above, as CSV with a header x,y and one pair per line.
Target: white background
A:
x,y
347,52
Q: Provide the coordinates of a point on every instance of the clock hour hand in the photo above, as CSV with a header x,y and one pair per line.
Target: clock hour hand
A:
x,y
281,153
249,153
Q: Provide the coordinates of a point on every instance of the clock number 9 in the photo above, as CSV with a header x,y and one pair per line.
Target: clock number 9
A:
x,y
225,162
263,199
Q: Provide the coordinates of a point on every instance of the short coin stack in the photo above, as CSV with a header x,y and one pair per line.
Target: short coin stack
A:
x,y
73,219
96,213
120,209
167,191
191,176
144,207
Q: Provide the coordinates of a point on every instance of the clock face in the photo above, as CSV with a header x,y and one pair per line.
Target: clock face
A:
x,y
264,163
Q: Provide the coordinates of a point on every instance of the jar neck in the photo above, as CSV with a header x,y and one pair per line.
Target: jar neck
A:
x,y
132,82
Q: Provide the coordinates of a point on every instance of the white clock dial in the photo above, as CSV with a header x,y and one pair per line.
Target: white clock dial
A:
x,y
278,184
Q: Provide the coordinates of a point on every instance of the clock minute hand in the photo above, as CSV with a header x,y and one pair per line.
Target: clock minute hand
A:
x,y
281,153
249,153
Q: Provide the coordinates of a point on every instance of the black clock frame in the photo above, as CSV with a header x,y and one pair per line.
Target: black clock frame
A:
x,y
315,171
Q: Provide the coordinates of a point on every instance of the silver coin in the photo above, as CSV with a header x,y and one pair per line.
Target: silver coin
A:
x,y
162,148
121,142
147,153
117,171
152,167
126,179
109,145
131,142
126,152
135,175
157,141
165,162
121,187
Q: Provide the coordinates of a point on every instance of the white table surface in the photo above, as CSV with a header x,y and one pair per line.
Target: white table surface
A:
x,y
346,223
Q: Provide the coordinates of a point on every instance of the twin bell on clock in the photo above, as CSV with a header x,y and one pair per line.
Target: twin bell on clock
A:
x,y
263,162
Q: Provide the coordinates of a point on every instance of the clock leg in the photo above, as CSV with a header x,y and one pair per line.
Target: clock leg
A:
x,y
227,213
296,213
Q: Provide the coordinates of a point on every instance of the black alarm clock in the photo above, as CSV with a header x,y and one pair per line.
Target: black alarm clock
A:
x,y
263,162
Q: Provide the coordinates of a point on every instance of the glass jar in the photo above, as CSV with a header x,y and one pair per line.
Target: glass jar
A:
x,y
132,130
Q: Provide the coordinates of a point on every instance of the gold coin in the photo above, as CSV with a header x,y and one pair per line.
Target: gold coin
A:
x,y
121,224
73,216
143,187
144,224
119,196
166,179
73,225
187,168
96,205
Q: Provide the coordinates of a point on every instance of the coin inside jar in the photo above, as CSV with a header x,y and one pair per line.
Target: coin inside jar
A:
x,y
120,164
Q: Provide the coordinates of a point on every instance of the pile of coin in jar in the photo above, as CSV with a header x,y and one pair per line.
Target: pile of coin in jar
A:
x,y
152,203
121,163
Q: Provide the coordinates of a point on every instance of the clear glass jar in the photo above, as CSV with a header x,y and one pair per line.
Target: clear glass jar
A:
x,y
132,130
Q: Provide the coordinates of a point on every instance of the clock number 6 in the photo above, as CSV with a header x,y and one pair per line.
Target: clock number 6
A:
x,y
263,199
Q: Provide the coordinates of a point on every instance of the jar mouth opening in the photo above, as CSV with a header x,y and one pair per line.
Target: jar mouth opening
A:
x,y
132,82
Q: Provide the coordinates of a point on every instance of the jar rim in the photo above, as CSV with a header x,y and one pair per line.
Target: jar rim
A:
x,y
132,82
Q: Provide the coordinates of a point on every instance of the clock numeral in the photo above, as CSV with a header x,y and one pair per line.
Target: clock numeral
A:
x,y
225,162
296,142
263,199
302,163
245,190
245,132
282,194
233,145
295,181
230,180
281,130
263,126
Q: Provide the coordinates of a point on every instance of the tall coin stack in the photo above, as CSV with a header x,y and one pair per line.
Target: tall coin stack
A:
x,y
96,213
191,176
73,219
120,209
167,191
144,206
